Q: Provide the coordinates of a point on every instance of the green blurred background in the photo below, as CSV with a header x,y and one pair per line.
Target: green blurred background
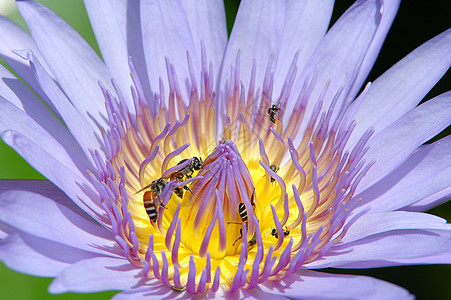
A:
x,y
416,23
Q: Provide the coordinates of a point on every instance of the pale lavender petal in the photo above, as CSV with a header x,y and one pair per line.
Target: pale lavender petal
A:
x,y
95,275
15,38
58,140
403,86
316,285
154,291
430,201
164,292
257,34
86,135
391,248
140,293
54,250
389,10
208,23
423,247
166,33
440,258
396,142
65,151
63,176
41,187
44,218
75,64
18,94
5,231
259,293
339,55
255,293
116,25
375,223
306,24
17,255
426,172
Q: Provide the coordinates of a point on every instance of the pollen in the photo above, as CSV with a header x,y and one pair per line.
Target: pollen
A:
x,y
203,197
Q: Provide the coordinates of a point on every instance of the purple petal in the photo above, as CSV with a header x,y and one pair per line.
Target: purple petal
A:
x,y
306,24
339,54
77,124
54,140
256,293
5,231
208,23
396,142
389,10
41,187
375,223
403,86
95,275
116,25
44,218
430,201
75,64
308,284
28,106
61,161
166,33
76,187
155,291
434,258
164,292
15,38
257,34
393,247
426,172
17,255
141,293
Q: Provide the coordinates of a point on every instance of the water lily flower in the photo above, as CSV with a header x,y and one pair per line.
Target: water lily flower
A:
x,y
185,163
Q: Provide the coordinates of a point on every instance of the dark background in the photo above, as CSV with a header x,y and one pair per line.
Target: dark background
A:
x,y
416,22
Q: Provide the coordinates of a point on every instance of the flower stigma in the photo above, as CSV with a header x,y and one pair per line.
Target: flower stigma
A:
x,y
203,196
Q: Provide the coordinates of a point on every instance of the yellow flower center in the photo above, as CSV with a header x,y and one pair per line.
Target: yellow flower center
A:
x,y
199,204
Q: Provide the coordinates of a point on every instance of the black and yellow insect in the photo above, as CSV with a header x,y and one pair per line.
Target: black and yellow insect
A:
x,y
187,172
151,196
273,113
